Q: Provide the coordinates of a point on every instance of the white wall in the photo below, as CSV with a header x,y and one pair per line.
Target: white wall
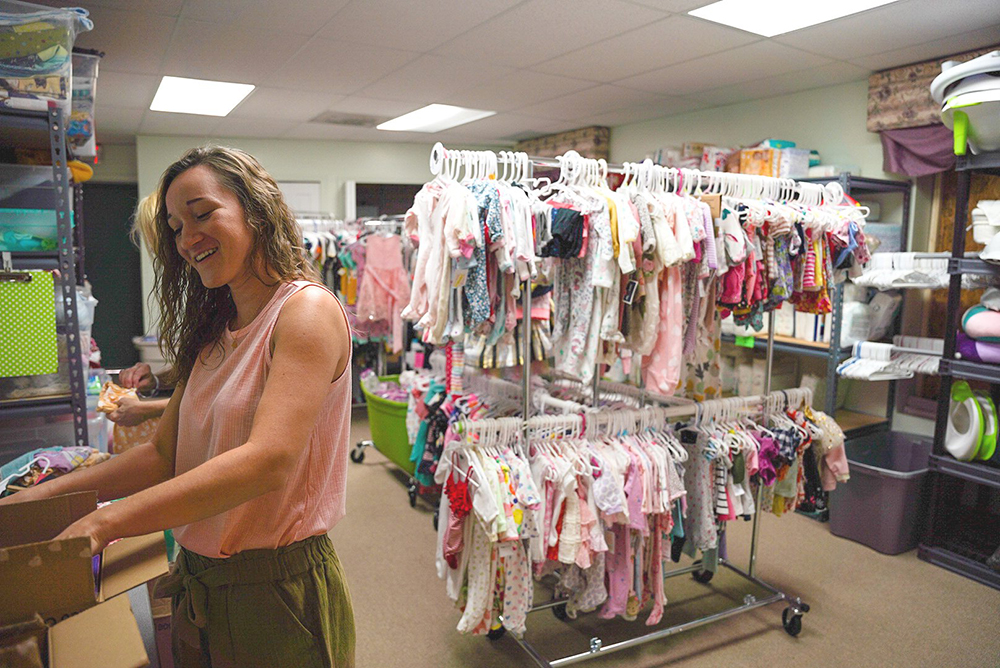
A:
x,y
116,164
830,120
331,163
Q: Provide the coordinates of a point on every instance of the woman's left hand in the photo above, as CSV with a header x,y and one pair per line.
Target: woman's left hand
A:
x,y
91,527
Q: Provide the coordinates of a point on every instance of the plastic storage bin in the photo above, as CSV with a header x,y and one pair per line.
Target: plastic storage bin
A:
x,y
28,203
80,128
881,505
36,64
387,421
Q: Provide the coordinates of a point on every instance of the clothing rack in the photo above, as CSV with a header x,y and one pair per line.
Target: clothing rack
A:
x,y
573,166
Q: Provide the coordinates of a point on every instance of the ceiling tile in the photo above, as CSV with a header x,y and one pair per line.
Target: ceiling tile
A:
x,y
938,48
302,17
745,63
125,89
791,82
132,41
252,127
367,106
506,126
894,26
540,30
346,133
215,11
337,67
590,102
416,26
117,120
430,78
672,40
515,90
673,5
162,123
196,51
638,113
162,7
289,105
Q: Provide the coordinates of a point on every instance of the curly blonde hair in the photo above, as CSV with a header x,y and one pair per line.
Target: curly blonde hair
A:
x,y
143,231
193,317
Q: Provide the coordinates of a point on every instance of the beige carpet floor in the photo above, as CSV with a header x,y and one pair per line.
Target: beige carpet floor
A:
x,y
867,609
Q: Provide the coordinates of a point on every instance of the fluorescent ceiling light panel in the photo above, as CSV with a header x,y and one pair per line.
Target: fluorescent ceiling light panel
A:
x,y
776,17
434,118
198,96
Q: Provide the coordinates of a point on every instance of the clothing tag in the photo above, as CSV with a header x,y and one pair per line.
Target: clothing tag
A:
x,y
630,290
745,341
714,203
506,549
460,271
689,437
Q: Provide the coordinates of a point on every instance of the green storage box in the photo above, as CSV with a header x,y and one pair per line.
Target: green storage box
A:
x,y
387,421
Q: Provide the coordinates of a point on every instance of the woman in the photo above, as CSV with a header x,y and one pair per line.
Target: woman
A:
x,y
249,461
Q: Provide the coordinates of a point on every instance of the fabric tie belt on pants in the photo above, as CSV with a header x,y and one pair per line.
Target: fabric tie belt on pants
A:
x,y
192,576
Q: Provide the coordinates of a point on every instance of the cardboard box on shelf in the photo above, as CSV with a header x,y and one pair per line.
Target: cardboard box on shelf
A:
x,y
713,158
60,578
693,149
784,320
793,163
760,161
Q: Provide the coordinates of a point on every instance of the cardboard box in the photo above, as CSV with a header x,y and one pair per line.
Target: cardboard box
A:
x,y
760,161
793,163
161,609
58,579
693,149
105,635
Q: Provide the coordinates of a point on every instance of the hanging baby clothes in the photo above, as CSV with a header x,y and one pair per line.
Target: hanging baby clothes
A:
x,y
384,290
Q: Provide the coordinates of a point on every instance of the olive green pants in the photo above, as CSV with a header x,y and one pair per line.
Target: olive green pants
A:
x,y
261,608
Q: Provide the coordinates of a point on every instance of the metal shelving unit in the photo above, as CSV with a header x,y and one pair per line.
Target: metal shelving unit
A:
x,y
854,185
787,344
971,471
834,354
942,544
38,130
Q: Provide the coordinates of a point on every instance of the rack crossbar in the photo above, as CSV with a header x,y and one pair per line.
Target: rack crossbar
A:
x,y
597,648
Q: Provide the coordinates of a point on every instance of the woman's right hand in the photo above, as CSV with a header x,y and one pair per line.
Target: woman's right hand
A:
x,y
130,412
139,376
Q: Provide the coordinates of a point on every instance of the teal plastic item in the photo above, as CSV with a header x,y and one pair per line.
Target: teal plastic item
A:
x,y
29,229
777,143
387,421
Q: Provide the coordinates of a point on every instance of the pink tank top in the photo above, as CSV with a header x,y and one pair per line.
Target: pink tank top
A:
x,y
216,415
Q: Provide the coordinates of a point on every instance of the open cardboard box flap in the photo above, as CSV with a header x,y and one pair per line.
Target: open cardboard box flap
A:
x,y
105,635
57,578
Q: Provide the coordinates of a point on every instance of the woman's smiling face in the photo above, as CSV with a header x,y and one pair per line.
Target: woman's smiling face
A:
x,y
209,227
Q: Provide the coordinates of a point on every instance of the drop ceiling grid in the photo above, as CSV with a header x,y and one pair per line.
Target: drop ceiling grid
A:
x,y
538,63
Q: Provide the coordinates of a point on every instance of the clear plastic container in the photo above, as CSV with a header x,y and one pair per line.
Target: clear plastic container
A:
x,y
80,128
36,43
28,203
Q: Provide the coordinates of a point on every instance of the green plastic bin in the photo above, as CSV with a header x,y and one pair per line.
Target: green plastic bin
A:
x,y
387,421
